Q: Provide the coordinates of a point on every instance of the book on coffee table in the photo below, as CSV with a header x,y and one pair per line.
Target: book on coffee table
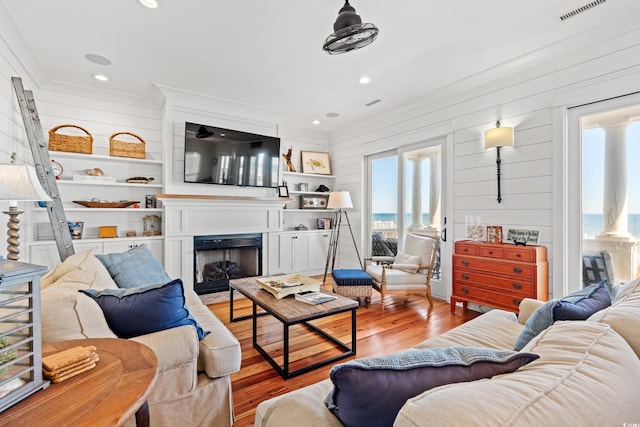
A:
x,y
281,286
313,298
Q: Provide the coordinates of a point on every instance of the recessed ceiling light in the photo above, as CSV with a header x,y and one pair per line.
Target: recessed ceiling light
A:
x,y
332,115
315,122
101,77
97,59
151,4
364,80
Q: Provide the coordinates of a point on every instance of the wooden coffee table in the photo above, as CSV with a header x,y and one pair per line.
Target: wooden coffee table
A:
x,y
291,312
107,395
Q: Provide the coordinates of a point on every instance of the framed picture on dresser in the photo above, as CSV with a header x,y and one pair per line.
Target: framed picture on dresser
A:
x,y
494,233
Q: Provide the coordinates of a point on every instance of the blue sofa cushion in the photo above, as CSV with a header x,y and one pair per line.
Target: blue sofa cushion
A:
x,y
143,310
369,392
135,267
578,305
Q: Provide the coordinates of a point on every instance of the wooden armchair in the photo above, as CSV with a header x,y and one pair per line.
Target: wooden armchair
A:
x,y
410,271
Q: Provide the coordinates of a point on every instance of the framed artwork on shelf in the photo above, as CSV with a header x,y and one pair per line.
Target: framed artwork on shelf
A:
x,y
313,202
315,162
522,237
283,191
323,223
494,233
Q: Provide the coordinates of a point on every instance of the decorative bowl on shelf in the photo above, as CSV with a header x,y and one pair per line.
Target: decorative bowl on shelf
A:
x,y
91,204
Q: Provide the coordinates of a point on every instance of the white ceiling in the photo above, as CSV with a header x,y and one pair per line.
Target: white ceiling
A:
x,y
268,53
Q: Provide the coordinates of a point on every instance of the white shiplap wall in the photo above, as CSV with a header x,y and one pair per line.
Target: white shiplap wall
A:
x,y
526,101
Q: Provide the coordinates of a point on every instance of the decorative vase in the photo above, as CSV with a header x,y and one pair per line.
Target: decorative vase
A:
x,y
475,231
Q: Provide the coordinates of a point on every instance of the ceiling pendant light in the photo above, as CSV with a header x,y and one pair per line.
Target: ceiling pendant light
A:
x,y
349,32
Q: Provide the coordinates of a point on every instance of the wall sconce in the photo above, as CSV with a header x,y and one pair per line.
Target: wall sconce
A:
x,y
498,137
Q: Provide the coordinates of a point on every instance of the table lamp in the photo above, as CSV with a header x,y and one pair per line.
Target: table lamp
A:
x,y
18,183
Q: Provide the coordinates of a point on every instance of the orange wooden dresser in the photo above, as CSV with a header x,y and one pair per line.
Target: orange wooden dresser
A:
x,y
498,275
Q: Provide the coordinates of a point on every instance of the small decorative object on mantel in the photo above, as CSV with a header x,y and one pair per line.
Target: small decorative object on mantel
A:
x,y
287,157
522,237
315,162
322,189
68,363
494,233
135,150
140,180
283,191
70,143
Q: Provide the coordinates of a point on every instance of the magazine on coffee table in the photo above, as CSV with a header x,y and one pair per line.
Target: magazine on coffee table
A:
x,y
313,298
281,286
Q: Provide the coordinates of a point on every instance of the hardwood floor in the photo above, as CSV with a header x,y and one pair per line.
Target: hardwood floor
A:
x,y
404,322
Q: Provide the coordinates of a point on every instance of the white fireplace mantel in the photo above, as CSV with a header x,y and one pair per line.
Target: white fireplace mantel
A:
x,y
186,216
189,215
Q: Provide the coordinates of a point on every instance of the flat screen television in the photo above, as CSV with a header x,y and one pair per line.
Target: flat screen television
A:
x,y
229,157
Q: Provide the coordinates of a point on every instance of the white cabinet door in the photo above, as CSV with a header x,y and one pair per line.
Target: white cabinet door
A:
x,y
318,247
299,251
280,253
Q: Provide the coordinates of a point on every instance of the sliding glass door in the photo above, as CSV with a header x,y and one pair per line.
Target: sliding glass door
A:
x,y
405,197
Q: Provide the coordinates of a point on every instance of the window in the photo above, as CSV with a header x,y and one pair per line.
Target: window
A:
x,y
606,239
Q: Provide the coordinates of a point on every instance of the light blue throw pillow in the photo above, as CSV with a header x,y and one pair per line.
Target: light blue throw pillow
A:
x,y
134,268
143,310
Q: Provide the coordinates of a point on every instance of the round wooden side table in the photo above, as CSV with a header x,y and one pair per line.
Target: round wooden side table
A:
x,y
107,395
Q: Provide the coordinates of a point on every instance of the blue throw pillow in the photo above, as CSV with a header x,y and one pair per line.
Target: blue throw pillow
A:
x,y
369,392
139,311
578,305
134,268
583,308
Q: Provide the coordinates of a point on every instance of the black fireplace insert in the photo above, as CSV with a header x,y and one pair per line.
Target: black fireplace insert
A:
x,y
219,258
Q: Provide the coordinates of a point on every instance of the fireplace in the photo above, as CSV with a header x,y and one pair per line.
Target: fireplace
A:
x,y
219,258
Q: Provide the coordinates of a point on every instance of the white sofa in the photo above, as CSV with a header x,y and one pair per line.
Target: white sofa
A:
x,y
193,387
588,374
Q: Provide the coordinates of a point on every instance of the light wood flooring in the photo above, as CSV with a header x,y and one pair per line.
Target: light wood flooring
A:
x,y
404,322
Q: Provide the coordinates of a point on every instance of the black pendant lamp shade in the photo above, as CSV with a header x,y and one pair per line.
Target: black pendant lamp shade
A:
x,y
349,32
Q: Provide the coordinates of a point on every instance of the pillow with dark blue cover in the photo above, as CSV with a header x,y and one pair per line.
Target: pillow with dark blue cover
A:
x,y
143,310
370,392
135,267
585,307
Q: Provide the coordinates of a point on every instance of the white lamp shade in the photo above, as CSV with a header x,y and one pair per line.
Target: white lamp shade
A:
x,y
339,200
498,137
20,182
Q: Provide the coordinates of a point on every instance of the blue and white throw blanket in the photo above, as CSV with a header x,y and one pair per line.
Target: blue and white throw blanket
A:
x,y
542,318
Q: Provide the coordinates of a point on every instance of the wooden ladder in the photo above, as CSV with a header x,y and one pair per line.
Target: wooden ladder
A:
x,y
42,163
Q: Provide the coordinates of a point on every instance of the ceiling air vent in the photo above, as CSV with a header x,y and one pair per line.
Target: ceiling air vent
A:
x,y
580,10
375,101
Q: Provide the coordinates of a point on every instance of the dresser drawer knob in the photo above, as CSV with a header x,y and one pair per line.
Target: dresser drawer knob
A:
x,y
517,286
465,262
465,290
490,252
517,270
465,250
465,276
518,255
516,301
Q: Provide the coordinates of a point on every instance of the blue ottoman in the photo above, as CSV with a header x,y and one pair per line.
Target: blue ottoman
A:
x,y
354,284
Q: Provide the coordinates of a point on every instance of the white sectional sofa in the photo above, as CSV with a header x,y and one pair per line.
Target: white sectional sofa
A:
x,y
588,374
193,386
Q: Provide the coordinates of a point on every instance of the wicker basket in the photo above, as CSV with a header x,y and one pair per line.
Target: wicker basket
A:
x,y
126,149
70,143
